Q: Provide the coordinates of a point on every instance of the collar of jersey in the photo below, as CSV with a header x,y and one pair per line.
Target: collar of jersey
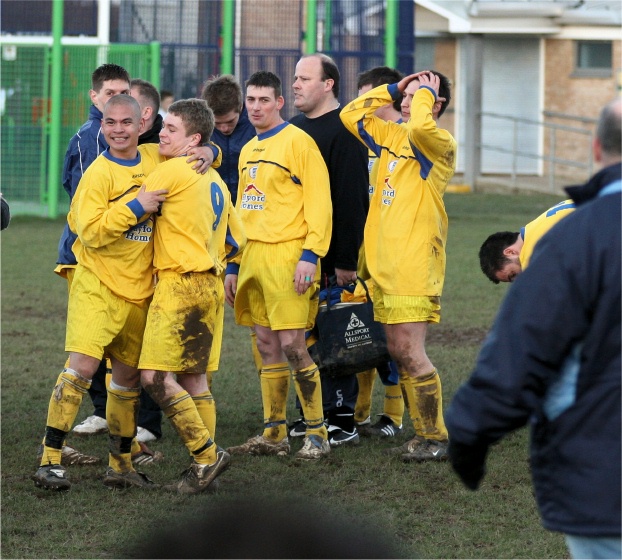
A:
x,y
272,131
125,162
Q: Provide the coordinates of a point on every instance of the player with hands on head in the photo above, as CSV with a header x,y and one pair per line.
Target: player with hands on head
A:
x,y
389,424
405,238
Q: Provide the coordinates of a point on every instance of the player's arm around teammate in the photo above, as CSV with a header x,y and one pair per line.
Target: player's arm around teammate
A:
x,y
196,230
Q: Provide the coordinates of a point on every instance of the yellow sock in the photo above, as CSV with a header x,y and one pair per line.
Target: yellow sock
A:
x,y
362,409
206,407
209,376
64,404
182,412
394,403
256,355
429,405
408,394
135,447
121,413
274,381
309,391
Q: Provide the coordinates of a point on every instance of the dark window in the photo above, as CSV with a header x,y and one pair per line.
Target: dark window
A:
x,y
593,58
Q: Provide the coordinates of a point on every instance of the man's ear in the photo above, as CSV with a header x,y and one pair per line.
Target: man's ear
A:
x,y
436,108
597,150
195,140
511,251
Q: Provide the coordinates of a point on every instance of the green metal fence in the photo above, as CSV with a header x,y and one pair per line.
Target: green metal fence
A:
x,y
25,106
177,44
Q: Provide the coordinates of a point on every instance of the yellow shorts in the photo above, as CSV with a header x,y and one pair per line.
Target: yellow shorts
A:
x,y
392,310
68,274
266,294
219,327
64,270
182,320
99,321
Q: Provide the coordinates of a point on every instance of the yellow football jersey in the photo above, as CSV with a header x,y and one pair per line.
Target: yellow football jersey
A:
x,y
406,228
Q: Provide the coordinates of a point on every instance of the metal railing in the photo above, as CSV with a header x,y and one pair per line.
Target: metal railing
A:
x,y
553,154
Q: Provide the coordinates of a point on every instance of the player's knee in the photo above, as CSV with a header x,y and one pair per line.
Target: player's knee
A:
x,y
295,353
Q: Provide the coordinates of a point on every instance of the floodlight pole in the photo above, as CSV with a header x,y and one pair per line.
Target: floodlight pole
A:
x,y
56,108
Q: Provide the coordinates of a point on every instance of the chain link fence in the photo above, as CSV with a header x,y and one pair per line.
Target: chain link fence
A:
x,y
266,35
25,106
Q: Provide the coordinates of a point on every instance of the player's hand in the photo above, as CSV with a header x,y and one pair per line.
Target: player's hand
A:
x,y
469,462
231,288
203,156
304,276
401,85
151,200
345,277
432,81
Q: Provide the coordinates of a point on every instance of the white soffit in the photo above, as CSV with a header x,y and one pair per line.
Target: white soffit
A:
x,y
540,17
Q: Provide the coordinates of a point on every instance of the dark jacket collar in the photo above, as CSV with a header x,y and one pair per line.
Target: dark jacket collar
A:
x,y
152,136
587,191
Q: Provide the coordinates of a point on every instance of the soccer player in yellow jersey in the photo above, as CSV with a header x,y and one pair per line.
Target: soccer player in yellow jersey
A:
x,y
284,203
505,254
390,422
112,215
405,237
196,230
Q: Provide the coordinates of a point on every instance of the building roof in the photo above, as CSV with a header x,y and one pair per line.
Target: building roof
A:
x,y
515,16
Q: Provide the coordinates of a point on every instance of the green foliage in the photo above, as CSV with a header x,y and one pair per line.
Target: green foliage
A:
x,y
423,509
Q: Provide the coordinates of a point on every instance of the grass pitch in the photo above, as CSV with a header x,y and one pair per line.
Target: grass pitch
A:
x,y
422,509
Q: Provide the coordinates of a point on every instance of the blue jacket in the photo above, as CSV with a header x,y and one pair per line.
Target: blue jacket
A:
x,y
552,360
231,147
84,147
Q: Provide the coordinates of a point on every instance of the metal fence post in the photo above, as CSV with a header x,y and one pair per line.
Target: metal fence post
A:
x,y
56,111
552,160
227,37
390,34
311,31
154,70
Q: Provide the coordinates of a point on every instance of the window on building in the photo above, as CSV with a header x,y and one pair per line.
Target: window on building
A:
x,y
593,58
424,53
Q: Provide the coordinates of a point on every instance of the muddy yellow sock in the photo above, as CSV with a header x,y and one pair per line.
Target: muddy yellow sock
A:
x,y
256,355
362,408
206,407
136,448
182,412
64,404
394,404
121,413
408,393
309,391
429,406
274,380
